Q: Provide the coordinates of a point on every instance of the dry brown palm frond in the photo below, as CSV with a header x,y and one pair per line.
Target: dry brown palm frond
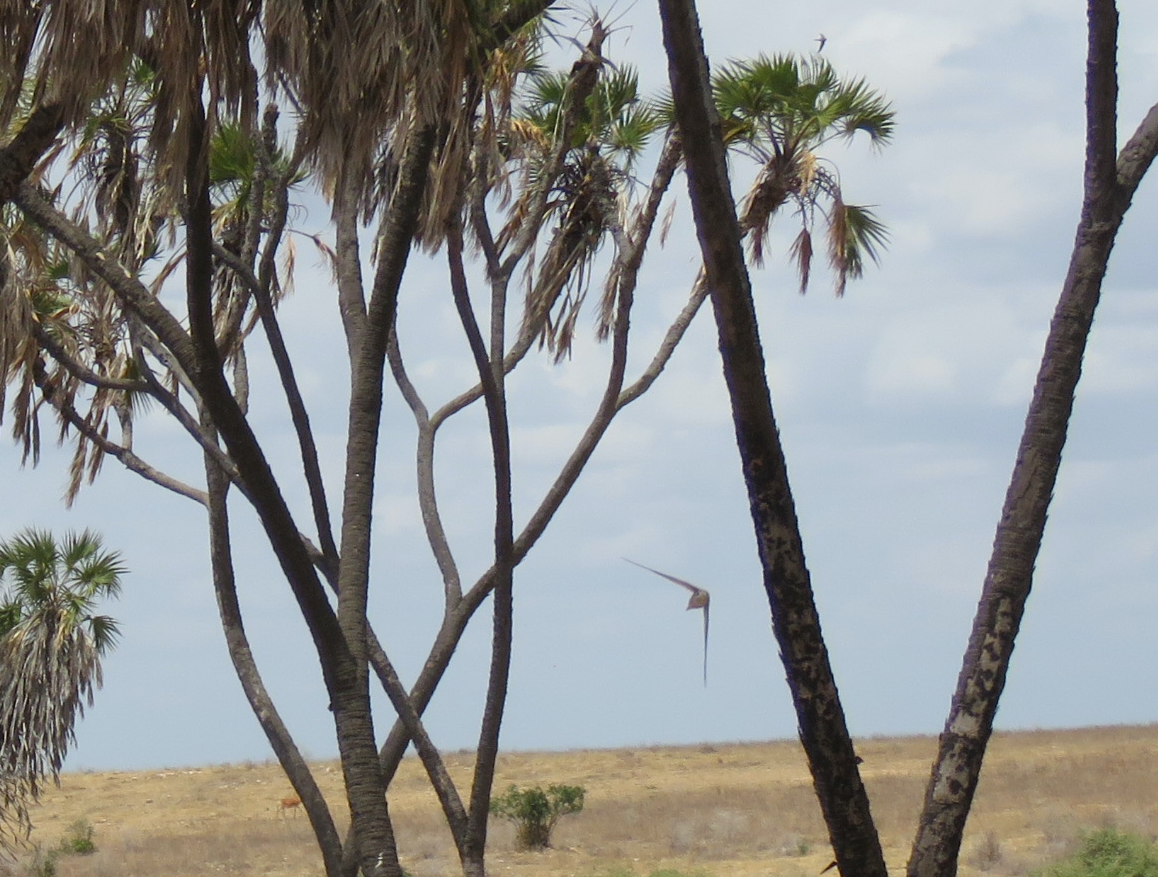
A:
x,y
839,255
15,824
587,199
47,674
801,253
190,50
806,167
775,184
28,297
356,69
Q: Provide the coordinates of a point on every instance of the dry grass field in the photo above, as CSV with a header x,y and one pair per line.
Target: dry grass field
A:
x,y
710,811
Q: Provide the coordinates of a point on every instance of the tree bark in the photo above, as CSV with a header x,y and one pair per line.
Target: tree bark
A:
x,y
823,731
365,781
492,378
1109,188
278,735
339,640
19,158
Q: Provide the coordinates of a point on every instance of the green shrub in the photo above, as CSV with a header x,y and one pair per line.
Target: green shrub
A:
x,y
79,841
1109,853
536,812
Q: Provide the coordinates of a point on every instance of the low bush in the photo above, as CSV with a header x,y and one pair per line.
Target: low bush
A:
x,y
536,812
79,840
1109,853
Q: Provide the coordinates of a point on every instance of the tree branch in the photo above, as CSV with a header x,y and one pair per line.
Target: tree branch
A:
x,y
427,493
128,289
120,453
18,159
276,732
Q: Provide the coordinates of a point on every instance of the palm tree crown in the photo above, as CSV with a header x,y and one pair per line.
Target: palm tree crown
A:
x,y
611,131
780,111
51,643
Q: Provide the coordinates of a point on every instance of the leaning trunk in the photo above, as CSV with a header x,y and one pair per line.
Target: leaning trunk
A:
x,y
1109,186
288,755
823,731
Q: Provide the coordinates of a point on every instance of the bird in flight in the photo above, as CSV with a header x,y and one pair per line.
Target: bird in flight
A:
x,y
699,600
821,40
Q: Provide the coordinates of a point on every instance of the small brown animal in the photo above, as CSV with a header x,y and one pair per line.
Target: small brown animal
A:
x,y
292,803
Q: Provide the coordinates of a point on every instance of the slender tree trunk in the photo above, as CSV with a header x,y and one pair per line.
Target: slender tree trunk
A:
x,y
492,378
365,779
823,731
288,755
1109,187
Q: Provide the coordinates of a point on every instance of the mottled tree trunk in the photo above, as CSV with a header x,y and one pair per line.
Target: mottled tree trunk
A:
x,y
823,731
1109,187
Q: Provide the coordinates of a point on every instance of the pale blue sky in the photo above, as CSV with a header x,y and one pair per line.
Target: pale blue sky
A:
x,y
900,406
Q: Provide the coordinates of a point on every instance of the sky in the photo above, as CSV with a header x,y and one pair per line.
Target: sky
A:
x,y
900,408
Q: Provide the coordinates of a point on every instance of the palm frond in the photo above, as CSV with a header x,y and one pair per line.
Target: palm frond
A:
x,y
854,234
801,252
780,110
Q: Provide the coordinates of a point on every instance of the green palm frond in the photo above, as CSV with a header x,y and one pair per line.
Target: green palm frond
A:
x,y
67,578
233,169
612,131
774,104
615,115
10,614
51,643
781,110
854,234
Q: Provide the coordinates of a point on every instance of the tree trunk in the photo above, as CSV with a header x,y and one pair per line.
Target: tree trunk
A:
x,y
472,850
365,780
340,641
18,159
795,622
288,755
1109,187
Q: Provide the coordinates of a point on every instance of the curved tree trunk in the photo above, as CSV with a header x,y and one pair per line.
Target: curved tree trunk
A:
x,y
1109,187
823,731
288,755
365,781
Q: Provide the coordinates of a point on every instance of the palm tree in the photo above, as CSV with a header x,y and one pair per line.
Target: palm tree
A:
x,y
609,134
51,644
780,111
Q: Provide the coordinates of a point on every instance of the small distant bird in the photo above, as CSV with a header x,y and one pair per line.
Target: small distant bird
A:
x,y
820,40
699,600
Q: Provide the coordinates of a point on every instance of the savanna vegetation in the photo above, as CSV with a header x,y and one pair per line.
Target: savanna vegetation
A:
x,y
146,180
739,810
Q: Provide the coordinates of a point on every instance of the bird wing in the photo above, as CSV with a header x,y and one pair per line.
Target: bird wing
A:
x,y
695,593
679,582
